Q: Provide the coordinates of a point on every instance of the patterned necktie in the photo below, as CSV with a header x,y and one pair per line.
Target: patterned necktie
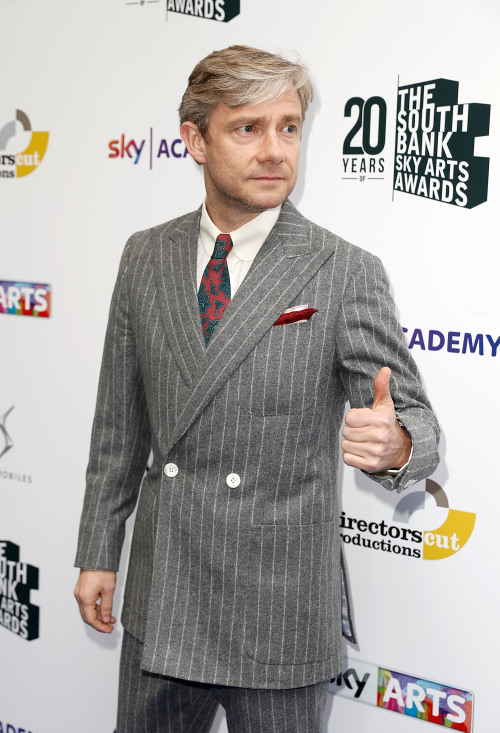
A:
x,y
214,294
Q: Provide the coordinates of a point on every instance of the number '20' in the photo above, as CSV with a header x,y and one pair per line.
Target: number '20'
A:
x,y
364,123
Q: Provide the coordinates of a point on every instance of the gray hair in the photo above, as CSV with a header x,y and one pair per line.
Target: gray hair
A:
x,y
241,75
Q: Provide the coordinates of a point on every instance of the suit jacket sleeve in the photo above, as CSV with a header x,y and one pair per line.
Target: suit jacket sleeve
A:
x,y
370,337
120,442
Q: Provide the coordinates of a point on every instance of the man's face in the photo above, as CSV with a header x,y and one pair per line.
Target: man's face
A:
x,y
251,155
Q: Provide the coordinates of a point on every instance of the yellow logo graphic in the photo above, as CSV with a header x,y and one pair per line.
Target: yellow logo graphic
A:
x,y
15,163
451,535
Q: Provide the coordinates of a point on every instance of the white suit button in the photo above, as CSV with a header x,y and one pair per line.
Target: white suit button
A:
x,y
233,480
171,470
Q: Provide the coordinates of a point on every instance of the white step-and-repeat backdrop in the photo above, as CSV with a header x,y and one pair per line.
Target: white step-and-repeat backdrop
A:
x,y
399,156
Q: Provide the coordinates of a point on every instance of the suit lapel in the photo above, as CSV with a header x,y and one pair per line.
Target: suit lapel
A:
x,y
175,272
287,260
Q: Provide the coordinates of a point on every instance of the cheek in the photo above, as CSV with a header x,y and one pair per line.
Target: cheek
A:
x,y
293,158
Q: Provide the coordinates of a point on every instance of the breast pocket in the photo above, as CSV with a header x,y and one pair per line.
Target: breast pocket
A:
x,y
281,375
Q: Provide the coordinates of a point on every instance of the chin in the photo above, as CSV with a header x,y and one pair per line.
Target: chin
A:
x,y
268,201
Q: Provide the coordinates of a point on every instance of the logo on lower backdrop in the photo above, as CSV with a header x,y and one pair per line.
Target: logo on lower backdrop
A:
x,y
399,539
445,705
17,579
434,143
25,299
6,441
21,149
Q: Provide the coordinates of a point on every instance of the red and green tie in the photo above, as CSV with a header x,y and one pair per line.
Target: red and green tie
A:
x,y
214,294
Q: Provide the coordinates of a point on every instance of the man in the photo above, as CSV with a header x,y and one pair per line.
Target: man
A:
x,y
234,591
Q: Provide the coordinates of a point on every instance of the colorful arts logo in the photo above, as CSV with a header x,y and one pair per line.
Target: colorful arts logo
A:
x,y
18,134
17,579
436,544
25,299
449,707
445,705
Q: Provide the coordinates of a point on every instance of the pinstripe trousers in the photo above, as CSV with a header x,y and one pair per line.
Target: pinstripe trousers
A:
x,y
151,703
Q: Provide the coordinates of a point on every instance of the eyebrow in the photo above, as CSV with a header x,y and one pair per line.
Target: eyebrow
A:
x,y
241,121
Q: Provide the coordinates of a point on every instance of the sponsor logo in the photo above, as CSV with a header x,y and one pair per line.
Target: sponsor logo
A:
x,y
21,149
17,579
148,149
221,10
454,342
6,441
435,139
25,299
9,728
398,539
364,144
445,705
434,143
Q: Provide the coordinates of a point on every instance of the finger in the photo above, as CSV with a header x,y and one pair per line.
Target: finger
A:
x,y
106,605
359,459
93,618
370,451
358,417
90,613
351,459
382,394
358,435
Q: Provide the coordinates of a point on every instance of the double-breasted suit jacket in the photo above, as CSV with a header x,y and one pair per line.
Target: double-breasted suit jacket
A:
x,y
235,573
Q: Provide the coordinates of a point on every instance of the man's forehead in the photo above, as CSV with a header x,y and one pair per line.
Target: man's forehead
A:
x,y
288,105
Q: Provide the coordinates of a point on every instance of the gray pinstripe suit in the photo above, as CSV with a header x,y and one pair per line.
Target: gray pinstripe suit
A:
x,y
239,585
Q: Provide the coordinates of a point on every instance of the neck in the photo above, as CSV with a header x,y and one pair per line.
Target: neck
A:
x,y
228,219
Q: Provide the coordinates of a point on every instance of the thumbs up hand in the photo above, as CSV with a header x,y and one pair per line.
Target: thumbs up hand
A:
x,y
373,439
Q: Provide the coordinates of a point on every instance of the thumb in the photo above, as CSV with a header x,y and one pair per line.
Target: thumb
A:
x,y
382,395
106,605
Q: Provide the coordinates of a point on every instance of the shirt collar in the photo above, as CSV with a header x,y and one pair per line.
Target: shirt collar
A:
x,y
247,239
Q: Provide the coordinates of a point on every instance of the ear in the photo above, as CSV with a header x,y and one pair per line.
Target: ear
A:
x,y
194,141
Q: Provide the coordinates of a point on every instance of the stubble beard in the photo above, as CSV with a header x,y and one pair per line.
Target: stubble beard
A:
x,y
247,205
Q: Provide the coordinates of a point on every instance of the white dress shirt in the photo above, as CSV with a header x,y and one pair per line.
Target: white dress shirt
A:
x,y
247,240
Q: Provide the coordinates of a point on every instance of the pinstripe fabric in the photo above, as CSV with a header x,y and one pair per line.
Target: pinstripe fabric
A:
x,y
274,711
239,586
150,703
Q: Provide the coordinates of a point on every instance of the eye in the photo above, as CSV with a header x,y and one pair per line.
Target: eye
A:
x,y
290,128
246,128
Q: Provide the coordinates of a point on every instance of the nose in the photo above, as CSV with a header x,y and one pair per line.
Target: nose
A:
x,y
271,150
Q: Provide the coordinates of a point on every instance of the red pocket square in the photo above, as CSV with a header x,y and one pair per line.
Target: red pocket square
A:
x,y
294,316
